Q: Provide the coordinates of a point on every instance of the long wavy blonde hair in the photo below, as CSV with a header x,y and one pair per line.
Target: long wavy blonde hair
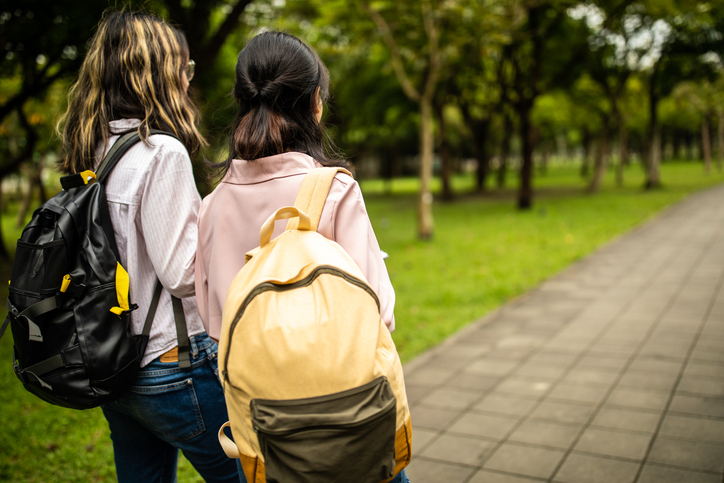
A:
x,y
133,69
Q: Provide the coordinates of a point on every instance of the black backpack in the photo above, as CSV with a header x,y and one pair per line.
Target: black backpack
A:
x,y
69,307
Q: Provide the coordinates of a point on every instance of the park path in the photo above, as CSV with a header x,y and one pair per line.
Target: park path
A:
x,y
610,372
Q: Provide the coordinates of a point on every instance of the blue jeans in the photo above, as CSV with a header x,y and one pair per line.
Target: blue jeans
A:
x,y
400,478
171,409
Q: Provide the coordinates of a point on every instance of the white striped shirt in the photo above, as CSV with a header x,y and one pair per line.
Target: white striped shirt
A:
x,y
154,208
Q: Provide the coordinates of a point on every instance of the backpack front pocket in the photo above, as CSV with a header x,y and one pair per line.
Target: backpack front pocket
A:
x,y
344,436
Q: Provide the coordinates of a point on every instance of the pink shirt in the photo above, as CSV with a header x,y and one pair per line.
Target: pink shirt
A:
x,y
153,202
230,219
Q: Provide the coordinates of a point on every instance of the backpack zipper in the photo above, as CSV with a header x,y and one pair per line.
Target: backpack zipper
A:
x,y
269,286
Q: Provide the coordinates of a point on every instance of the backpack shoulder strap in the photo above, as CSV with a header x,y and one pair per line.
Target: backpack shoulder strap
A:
x,y
313,194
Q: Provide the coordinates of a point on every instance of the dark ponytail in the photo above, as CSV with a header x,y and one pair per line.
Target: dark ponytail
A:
x,y
277,79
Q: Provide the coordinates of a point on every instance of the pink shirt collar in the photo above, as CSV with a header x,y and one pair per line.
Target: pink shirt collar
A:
x,y
264,169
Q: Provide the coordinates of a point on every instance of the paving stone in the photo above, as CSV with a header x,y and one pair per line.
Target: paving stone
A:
x,y
708,356
641,379
553,359
524,460
574,392
591,469
449,362
465,351
523,386
687,454
415,393
590,376
506,404
458,449
420,438
638,398
516,354
486,476
491,367
613,443
601,360
563,412
628,419
473,382
702,369
699,405
484,425
709,430
655,365
617,347
432,418
544,372
702,385
429,376
450,398
426,471
544,433
519,340
663,474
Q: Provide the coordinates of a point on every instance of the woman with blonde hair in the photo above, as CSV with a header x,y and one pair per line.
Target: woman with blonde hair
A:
x,y
135,77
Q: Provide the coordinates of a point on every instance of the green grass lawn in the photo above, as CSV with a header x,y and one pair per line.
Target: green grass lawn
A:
x,y
483,253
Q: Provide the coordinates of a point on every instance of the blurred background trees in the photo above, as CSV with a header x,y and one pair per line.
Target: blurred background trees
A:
x,y
498,89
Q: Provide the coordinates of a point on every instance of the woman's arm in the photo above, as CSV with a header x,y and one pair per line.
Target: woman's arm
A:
x,y
353,231
168,217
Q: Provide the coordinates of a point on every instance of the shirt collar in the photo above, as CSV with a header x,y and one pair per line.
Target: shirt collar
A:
x,y
264,169
121,125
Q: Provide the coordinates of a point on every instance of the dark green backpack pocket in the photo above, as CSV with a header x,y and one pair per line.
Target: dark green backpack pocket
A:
x,y
346,436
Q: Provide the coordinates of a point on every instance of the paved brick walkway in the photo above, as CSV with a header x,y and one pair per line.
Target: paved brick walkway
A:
x,y
610,372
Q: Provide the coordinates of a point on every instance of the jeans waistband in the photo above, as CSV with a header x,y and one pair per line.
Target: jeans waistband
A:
x,y
199,342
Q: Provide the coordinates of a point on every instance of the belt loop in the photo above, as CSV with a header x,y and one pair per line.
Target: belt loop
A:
x,y
194,347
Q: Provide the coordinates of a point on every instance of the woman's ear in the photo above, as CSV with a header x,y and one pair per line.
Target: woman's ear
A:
x,y
318,105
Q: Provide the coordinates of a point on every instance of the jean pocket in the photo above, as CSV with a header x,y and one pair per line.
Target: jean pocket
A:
x,y
171,409
321,439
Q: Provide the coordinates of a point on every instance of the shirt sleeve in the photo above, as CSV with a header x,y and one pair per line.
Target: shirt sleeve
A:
x,y
168,216
353,231
201,280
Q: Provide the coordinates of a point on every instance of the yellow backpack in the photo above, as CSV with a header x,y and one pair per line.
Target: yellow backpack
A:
x,y
313,382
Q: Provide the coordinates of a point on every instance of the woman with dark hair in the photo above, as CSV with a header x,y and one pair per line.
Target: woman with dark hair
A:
x,y
277,137
135,77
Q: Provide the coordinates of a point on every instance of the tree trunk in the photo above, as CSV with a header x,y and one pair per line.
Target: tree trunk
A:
x,y
622,154
505,151
525,192
599,165
706,144
4,254
689,147
544,161
425,199
720,140
445,155
676,144
653,174
587,148
480,146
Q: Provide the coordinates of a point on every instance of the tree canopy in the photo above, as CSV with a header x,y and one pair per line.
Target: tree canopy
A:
x,y
423,88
